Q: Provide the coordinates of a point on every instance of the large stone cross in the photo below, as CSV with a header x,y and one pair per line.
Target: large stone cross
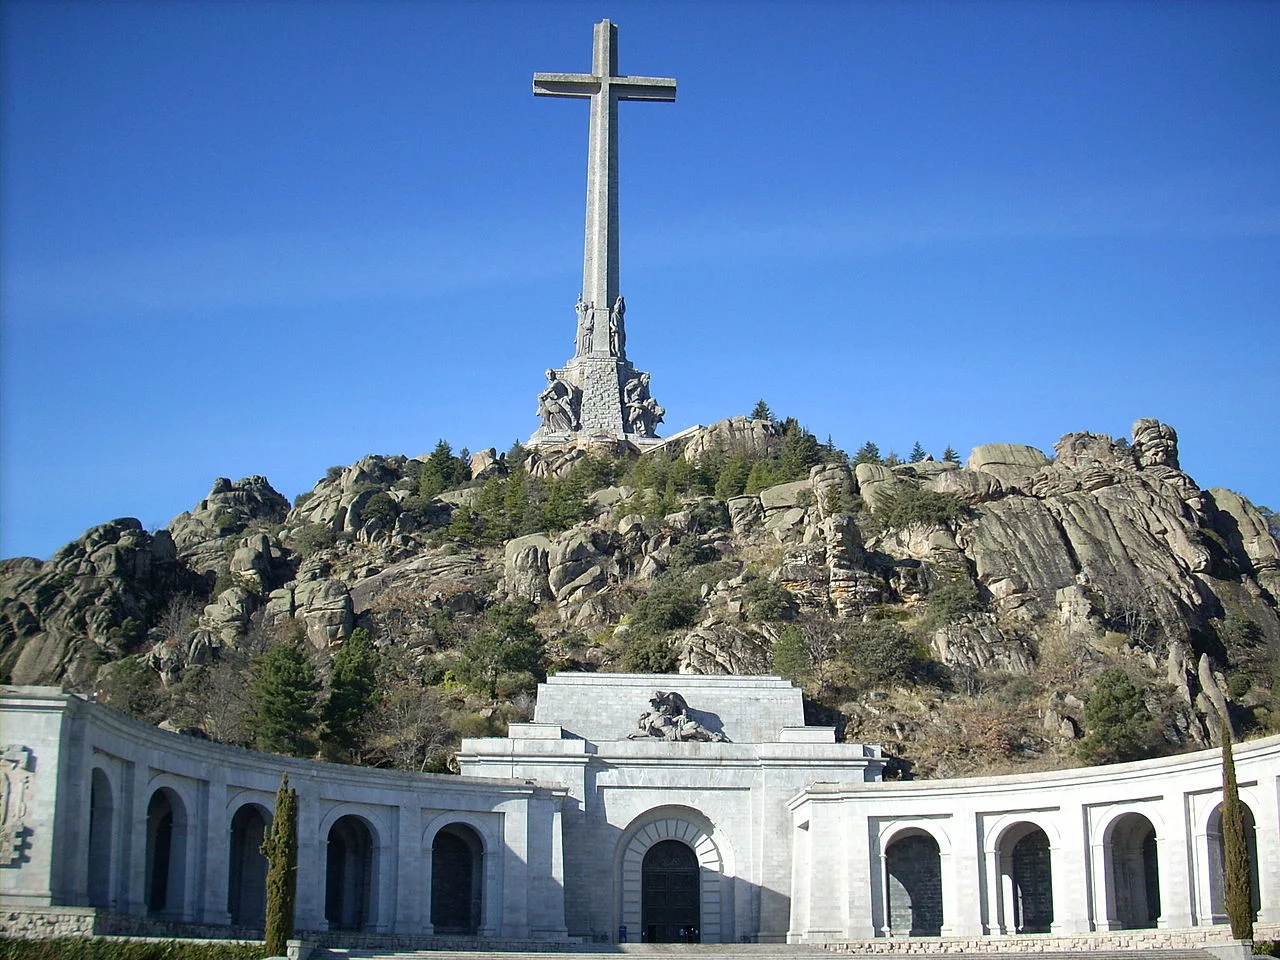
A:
x,y
600,326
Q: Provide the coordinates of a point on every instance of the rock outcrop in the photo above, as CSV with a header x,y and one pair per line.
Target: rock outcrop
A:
x,y
1105,549
91,603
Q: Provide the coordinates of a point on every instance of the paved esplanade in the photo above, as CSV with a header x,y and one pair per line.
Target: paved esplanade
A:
x,y
598,393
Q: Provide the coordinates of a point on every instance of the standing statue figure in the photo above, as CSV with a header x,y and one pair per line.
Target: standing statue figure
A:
x,y
642,411
558,406
617,329
586,325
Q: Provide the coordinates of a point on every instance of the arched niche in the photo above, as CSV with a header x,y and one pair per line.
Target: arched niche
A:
x,y
247,867
166,853
913,884
102,825
1133,872
349,873
457,880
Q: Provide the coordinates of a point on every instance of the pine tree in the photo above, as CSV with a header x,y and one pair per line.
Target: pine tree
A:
x,y
761,411
280,847
917,453
949,455
442,471
790,657
1118,726
733,477
509,645
760,477
353,693
462,525
1235,849
799,450
868,453
892,460
283,694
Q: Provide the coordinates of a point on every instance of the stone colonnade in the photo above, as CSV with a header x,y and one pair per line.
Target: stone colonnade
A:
x,y
129,819
1124,847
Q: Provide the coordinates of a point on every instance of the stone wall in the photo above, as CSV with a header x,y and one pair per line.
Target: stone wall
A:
x,y
1196,938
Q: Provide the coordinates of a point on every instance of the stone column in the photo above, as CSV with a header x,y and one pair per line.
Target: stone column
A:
x,y
512,861
1171,856
962,878
217,843
1069,862
309,910
410,898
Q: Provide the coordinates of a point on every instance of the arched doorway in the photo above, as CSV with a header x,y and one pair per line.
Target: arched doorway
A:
x,y
166,853
1134,872
712,855
247,867
101,824
457,878
670,887
913,879
1031,883
1218,862
348,889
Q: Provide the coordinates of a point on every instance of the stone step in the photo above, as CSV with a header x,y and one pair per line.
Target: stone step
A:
x,y
747,951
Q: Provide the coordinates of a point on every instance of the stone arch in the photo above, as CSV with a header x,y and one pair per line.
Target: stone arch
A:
x,y
1132,872
1020,850
350,873
490,840
913,884
457,880
1218,862
102,827
247,867
1026,879
168,826
715,874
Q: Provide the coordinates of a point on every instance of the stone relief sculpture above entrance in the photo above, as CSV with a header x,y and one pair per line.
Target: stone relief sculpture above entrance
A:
x,y
668,718
612,396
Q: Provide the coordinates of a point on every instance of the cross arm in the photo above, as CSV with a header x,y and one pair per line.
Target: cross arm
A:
x,y
661,89
565,84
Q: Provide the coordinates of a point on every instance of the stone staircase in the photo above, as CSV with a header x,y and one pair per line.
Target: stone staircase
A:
x,y
746,951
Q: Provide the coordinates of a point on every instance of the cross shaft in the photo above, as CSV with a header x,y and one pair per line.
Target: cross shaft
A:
x,y
604,87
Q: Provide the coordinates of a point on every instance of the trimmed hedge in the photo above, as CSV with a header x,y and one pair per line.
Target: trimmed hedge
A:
x,y
81,948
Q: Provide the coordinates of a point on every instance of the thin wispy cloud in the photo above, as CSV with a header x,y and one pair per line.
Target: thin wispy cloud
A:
x,y
285,270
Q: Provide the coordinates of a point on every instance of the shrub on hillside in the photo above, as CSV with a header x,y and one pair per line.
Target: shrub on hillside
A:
x,y
1118,726
906,503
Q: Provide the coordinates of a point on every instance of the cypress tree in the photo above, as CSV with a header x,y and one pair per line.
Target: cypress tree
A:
x,y
1235,849
281,850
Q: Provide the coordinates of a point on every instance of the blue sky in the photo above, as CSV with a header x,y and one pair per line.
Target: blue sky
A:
x,y
269,237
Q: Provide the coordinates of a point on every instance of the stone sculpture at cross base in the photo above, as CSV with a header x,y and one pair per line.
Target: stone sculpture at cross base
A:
x,y
598,394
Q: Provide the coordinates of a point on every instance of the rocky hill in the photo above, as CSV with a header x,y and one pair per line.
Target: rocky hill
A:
x,y
960,614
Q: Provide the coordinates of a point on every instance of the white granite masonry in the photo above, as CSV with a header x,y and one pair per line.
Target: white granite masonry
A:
x,y
582,826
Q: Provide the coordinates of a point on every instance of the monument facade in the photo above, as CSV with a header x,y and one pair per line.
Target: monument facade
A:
x,y
598,393
647,807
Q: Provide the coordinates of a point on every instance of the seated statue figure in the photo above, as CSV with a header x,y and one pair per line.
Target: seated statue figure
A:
x,y
558,405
